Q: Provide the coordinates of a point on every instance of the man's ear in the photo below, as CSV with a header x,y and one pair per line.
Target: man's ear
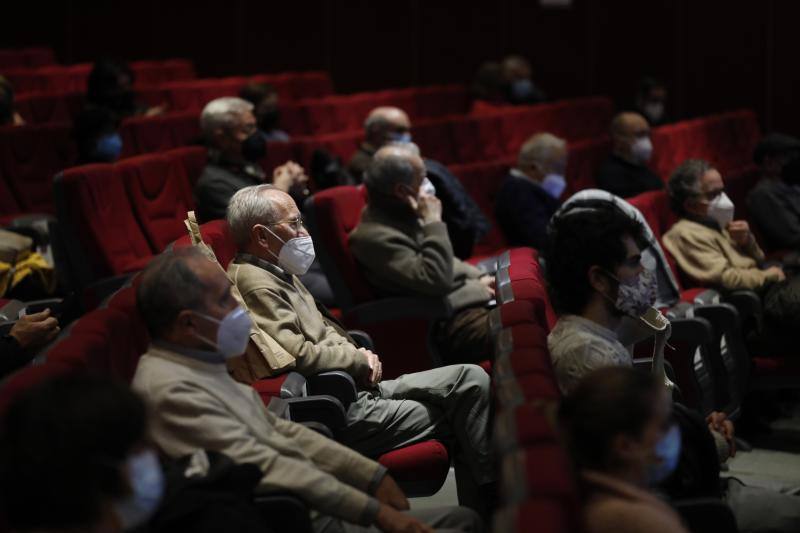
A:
x,y
184,321
598,279
259,237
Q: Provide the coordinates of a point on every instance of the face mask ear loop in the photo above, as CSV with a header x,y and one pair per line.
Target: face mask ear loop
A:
x,y
274,235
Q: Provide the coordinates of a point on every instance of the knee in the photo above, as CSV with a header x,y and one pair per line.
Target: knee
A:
x,y
476,378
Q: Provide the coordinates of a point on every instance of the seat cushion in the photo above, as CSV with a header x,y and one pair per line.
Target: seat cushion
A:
x,y
419,469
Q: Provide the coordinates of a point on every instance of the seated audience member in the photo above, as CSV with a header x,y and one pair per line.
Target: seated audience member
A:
x,y
264,98
465,222
651,101
235,148
489,89
446,403
774,203
74,457
110,86
518,74
96,134
196,325
529,195
625,172
8,112
618,429
27,334
596,283
402,246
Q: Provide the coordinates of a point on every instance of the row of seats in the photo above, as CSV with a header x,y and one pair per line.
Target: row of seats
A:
x,y
73,78
308,106
30,155
26,57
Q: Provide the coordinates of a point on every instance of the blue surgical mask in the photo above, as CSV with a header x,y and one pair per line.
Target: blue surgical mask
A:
x,y
233,333
554,184
521,90
668,452
147,488
108,147
404,137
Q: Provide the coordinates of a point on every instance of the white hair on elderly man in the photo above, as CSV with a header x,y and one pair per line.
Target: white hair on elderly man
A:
x,y
223,113
248,207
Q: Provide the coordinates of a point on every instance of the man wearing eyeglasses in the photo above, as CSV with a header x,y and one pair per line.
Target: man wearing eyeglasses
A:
x,y
236,150
449,403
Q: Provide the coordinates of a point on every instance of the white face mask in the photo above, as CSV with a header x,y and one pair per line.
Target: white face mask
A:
x,y
654,111
554,184
147,489
641,150
233,332
426,187
296,255
721,209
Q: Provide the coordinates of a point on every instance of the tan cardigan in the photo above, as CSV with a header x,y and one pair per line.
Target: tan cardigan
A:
x,y
711,258
615,506
196,405
401,257
282,307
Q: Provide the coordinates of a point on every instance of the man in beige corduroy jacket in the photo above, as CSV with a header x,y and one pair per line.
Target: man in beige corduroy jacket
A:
x,y
191,314
403,249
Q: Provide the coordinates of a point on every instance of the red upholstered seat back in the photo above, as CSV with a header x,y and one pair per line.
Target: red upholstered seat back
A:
x,y
215,234
96,208
584,158
193,159
336,212
29,158
159,193
38,108
153,134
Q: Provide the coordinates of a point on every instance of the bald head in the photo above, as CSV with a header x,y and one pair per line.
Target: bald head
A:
x,y
395,171
541,154
385,124
628,129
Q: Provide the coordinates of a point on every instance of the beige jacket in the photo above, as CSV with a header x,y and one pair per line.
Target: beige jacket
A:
x,y
197,405
402,257
614,506
282,307
710,257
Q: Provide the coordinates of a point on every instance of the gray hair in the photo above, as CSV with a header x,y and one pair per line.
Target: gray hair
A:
x,y
223,113
684,183
539,149
388,168
248,207
404,145
169,286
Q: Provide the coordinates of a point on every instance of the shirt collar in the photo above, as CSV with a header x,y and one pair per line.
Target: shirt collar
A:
x,y
517,173
204,356
263,264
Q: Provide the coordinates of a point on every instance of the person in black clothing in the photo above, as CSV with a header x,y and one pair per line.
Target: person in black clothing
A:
x,y
625,172
774,203
651,101
529,195
110,85
264,98
518,75
28,333
235,149
96,134
466,224
8,113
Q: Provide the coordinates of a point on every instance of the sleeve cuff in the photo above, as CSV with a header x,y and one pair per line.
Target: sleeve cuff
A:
x,y
377,477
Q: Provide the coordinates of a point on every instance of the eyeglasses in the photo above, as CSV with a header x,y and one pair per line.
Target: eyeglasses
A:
x,y
294,223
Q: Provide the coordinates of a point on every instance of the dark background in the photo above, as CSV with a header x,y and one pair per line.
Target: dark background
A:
x,y
712,54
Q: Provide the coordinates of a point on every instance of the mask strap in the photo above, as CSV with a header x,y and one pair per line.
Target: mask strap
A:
x,y
274,235
203,337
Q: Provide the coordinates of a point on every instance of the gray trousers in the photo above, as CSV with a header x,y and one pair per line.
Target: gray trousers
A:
x,y
444,519
450,403
761,510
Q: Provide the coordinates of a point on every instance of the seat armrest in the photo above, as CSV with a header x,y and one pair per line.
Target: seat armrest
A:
x,y
283,512
747,303
645,364
324,409
708,296
294,386
336,383
36,306
362,339
386,309
320,428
